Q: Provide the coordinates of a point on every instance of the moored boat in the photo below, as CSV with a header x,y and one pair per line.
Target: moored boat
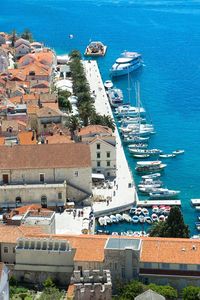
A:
x,y
95,48
108,84
163,194
177,152
149,166
141,155
115,97
167,155
135,219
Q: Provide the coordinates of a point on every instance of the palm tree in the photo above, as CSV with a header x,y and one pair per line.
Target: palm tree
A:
x,y
13,37
27,35
73,124
86,109
75,54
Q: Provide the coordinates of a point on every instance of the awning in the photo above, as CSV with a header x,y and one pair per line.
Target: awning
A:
x,y
98,176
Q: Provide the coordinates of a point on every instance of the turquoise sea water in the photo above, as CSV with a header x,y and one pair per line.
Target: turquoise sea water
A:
x,y
167,33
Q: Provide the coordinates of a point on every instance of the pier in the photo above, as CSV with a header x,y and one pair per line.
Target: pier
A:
x,y
124,194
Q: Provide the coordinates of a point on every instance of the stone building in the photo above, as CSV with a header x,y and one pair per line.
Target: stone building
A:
x,y
91,285
44,174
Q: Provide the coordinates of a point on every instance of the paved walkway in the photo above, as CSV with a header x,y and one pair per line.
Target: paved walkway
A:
x,y
123,191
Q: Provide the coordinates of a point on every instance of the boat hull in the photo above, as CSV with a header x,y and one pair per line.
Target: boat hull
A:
x,y
121,72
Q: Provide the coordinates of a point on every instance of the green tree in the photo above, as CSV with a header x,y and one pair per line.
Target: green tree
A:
x,y
102,120
86,109
75,54
63,101
191,293
174,226
73,124
167,291
48,283
27,35
13,37
131,290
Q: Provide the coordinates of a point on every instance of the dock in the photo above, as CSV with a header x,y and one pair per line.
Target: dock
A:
x,y
124,194
195,202
149,203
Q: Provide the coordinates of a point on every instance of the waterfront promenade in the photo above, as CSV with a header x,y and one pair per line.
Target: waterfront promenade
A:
x,y
123,193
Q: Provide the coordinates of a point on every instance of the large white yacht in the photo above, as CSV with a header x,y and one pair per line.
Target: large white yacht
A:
x,y
128,62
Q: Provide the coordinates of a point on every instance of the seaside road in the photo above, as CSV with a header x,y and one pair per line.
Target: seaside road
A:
x,y
124,194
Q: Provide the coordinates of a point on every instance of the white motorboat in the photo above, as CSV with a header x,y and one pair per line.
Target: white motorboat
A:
x,y
128,62
146,151
135,219
113,219
129,111
107,220
115,97
177,152
108,84
136,127
138,211
163,194
148,219
154,217
161,218
101,221
145,211
128,120
141,155
150,181
135,139
167,155
132,210
147,189
119,217
149,166
126,217
139,145
155,209
151,176
141,219
95,49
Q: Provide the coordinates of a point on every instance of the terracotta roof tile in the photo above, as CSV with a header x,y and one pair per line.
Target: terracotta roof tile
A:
x,y
169,250
94,129
70,155
10,234
46,112
58,139
25,138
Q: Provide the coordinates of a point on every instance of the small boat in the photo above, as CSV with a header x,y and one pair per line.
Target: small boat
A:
x,y
95,49
197,225
115,97
113,219
141,155
101,221
132,120
115,233
135,219
163,194
167,155
138,211
149,166
177,152
119,217
136,146
108,84
107,220
141,219
148,219
126,217
154,217
147,189
130,111
155,209
152,176
145,211
197,208
150,181
126,63
146,151
132,210
135,139
130,233
161,218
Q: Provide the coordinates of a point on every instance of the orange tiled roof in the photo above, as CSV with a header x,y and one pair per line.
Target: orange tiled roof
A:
x,y
170,250
10,234
51,105
58,139
2,140
35,67
23,209
17,73
16,100
25,138
32,109
32,96
92,129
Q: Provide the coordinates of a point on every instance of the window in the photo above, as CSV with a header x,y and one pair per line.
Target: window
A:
x,y
41,177
98,155
5,178
123,272
108,154
13,249
147,265
183,267
5,249
165,266
108,174
18,200
76,173
108,163
198,267
44,201
98,146
60,196
98,164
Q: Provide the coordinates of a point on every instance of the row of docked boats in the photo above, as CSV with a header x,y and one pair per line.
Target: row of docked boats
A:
x,y
124,233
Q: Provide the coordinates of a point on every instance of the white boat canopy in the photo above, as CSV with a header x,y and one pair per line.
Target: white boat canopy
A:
x,y
98,176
